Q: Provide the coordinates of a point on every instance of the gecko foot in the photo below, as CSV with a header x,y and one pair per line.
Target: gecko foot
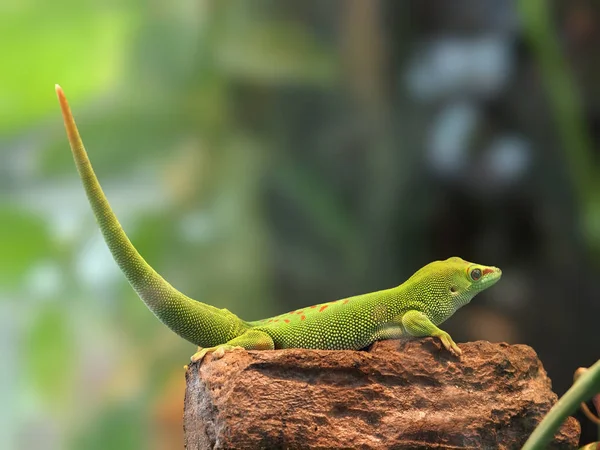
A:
x,y
450,345
217,352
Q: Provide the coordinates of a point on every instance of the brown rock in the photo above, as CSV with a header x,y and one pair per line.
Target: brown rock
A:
x,y
406,395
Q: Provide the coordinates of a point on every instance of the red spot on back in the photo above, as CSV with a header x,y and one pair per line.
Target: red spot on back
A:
x,y
322,308
302,317
270,320
286,320
313,306
300,312
276,320
346,301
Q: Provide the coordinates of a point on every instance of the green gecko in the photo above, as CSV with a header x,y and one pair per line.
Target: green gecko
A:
x,y
414,308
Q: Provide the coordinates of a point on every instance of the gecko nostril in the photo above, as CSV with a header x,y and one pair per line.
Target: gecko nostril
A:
x,y
453,290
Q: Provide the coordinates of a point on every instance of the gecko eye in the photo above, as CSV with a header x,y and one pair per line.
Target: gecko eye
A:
x,y
475,274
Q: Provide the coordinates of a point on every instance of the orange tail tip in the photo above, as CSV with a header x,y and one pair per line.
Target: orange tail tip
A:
x,y
61,95
64,105
70,126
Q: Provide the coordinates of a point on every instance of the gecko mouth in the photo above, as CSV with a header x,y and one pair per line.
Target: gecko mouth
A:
x,y
490,276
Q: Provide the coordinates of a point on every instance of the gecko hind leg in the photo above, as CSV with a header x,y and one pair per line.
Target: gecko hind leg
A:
x,y
250,340
186,367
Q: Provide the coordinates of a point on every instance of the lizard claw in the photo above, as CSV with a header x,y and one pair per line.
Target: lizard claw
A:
x,y
221,349
450,345
218,352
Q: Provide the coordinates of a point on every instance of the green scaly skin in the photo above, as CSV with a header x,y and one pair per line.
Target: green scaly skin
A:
x,y
414,308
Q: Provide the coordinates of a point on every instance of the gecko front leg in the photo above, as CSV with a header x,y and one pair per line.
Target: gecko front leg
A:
x,y
417,324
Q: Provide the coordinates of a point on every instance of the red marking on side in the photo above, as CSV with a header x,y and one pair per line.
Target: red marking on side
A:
x,y
302,317
300,312
486,271
322,308
346,301
286,320
313,306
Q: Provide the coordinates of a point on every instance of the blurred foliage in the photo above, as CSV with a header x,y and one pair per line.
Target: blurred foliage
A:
x,y
569,114
272,154
23,239
79,43
50,347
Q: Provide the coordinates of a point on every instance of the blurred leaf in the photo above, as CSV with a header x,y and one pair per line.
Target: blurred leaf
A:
x,y
591,222
50,354
80,48
23,239
276,53
118,140
321,206
119,427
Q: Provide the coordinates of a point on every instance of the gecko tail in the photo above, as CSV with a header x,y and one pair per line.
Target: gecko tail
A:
x,y
199,323
135,268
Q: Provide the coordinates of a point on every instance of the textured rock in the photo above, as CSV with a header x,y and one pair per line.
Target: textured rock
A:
x,y
399,394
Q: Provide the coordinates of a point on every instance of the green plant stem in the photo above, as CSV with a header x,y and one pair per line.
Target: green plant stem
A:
x,y
581,391
562,93
596,402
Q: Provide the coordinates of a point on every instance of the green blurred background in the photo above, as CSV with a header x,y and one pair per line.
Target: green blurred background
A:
x,y
267,155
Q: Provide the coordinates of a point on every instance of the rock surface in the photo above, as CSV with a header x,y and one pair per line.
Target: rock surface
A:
x,y
399,394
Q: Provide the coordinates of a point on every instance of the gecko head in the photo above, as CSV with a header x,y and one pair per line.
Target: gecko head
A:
x,y
466,279
456,280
